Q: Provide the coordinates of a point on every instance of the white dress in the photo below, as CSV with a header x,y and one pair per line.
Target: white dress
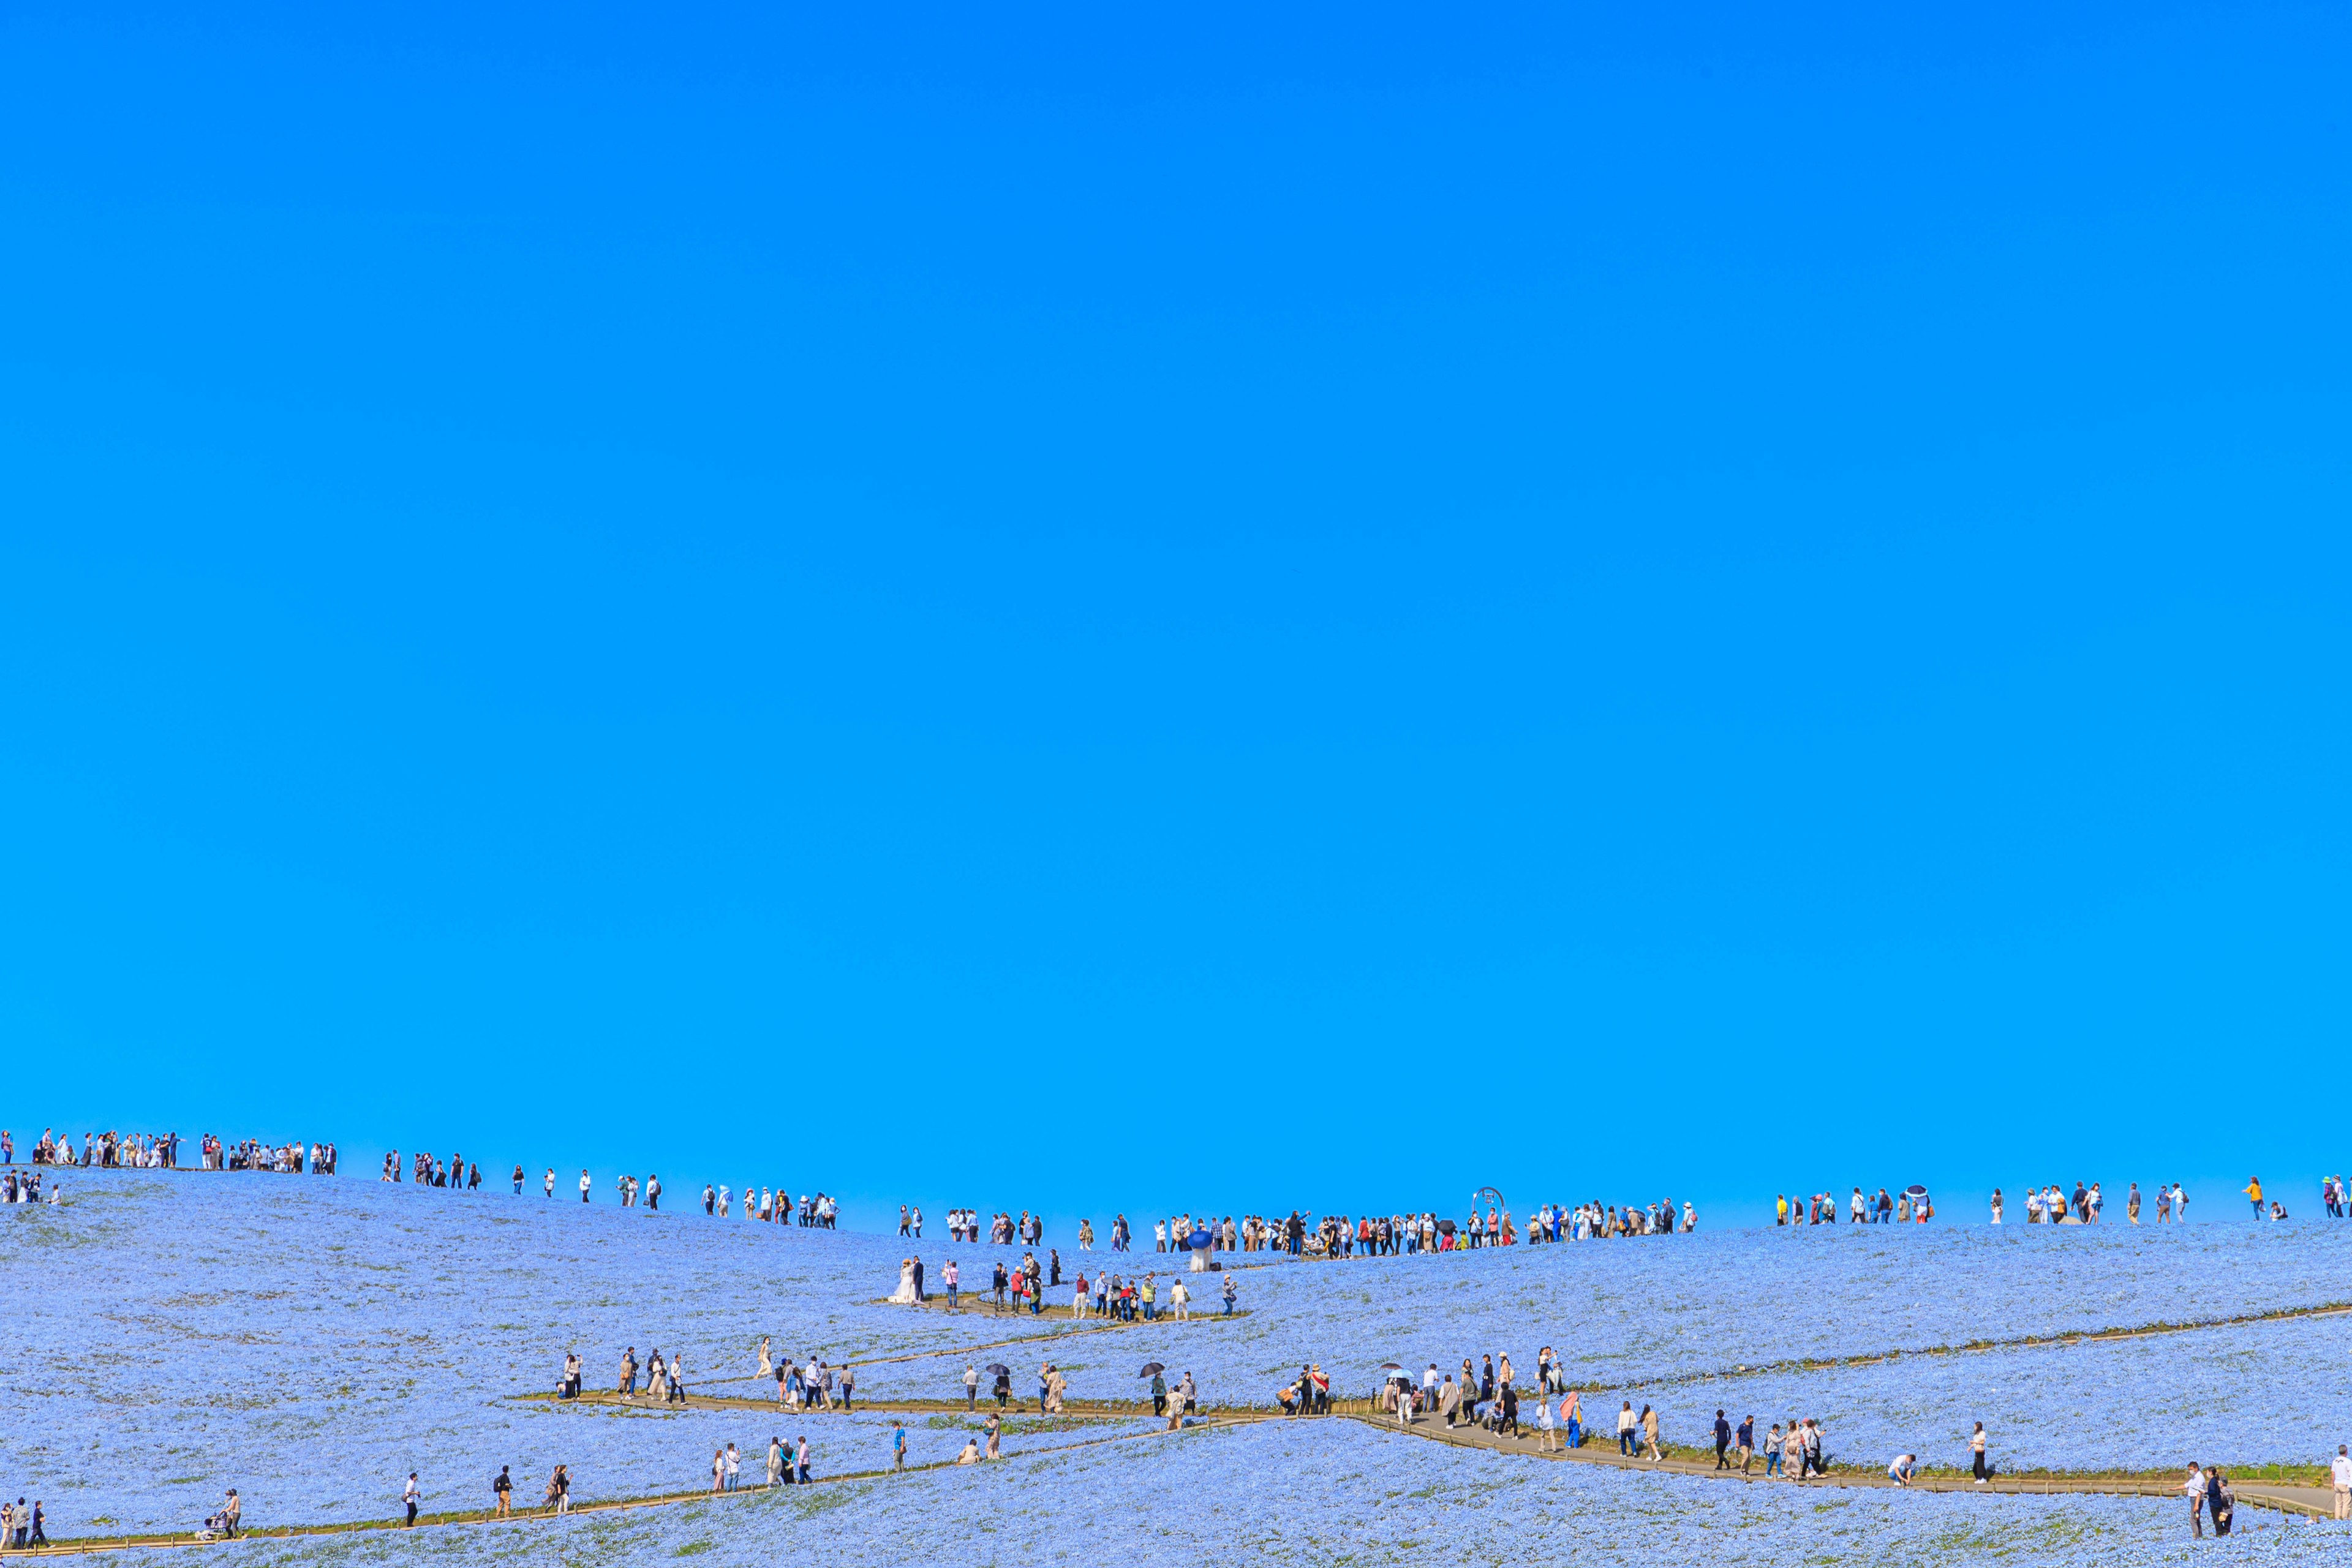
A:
x,y
905,1294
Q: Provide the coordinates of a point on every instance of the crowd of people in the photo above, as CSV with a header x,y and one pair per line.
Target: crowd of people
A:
x,y
114,1150
1912,1205
1305,1235
2088,1205
1488,1395
30,1186
776,1207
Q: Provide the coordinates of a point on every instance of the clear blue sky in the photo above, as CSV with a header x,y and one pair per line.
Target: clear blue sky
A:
x,y
1077,612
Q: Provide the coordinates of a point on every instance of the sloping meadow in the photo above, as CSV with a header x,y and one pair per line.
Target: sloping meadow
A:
x,y
1332,1492
314,1340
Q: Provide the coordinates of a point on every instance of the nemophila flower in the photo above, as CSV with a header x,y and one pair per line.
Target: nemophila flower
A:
x,y
311,1343
1332,1492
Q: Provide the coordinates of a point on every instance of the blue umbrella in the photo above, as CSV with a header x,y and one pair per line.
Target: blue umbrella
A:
x,y
1197,1240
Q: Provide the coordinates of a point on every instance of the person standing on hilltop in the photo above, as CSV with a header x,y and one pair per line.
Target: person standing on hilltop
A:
x,y
2253,1190
584,1185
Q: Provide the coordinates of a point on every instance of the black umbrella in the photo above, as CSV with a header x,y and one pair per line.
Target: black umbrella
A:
x,y
999,1369
1446,1225
1150,1367
1913,1190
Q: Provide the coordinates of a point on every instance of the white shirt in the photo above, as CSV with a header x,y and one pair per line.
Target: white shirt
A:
x,y
2343,1470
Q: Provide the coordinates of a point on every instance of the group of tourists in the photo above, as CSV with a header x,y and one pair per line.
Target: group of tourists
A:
x,y
814,1386
1913,1206
1493,1387
775,1206
33,1186
2088,1205
665,1376
1597,1220
2208,1494
113,1151
427,1171
1389,1235
21,1525
788,1463
1004,1230
285,1159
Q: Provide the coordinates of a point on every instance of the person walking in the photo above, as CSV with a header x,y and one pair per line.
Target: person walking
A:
x,y
1744,1443
1977,1465
718,1469
897,1444
1723,1438
734,1467
1650,1431
1772,1452
410,1496
502,1492
1625,1423
775,1461
2253,1190
584,1192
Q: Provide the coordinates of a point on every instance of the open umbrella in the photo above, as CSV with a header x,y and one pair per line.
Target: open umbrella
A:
x,y
998,1369
1446,1225
1197,1240
1391,1366
1150,1367
1913,1190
